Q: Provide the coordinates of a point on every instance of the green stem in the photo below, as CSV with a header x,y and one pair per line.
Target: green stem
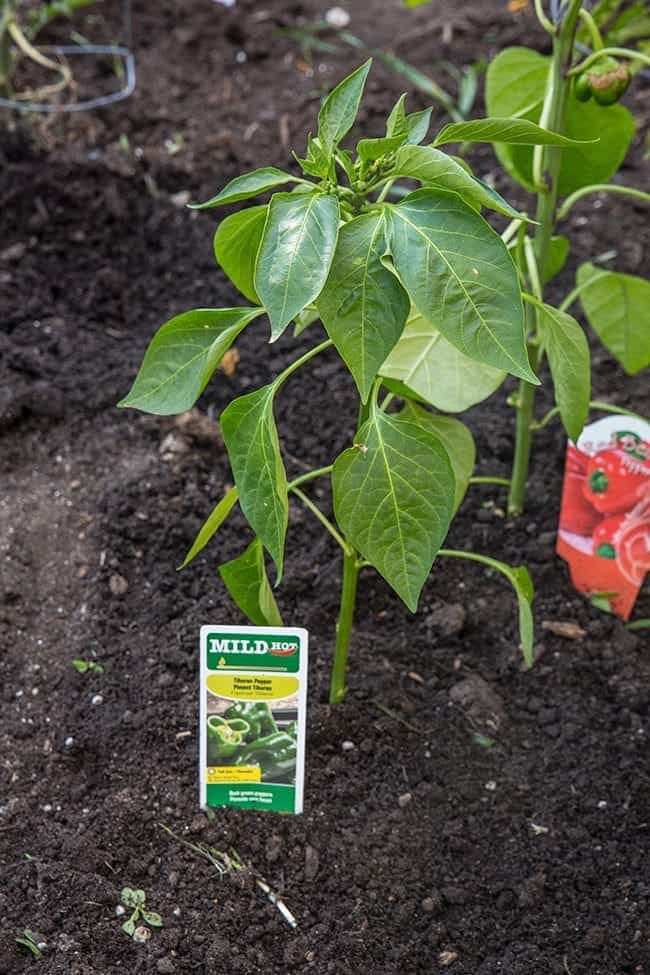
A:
x,y
577,291
282,378
505,481
5,49
620,52
551,159
327,524
309,476
592,27
344,626
601,188
542,18
593,405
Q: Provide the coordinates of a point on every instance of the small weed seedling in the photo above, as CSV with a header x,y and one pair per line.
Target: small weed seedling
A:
x,y
30,942
421,300
135,901
87,666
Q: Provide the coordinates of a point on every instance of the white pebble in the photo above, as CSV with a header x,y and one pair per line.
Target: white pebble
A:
x,y
337,17
491,785
97,699
69,742
119,910
348,746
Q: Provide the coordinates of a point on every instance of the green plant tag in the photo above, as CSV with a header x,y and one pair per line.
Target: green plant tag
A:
x,y
253,708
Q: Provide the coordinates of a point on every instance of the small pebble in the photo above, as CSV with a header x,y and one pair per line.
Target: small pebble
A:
x,y
337,17
491,785
141,934
348,746
404,799
117,584
120,910
97,699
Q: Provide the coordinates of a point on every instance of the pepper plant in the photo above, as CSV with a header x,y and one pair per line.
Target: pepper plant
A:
x,y
576,96
422,301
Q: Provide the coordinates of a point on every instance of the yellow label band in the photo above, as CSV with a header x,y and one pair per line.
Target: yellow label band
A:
x,y
252,687
233,773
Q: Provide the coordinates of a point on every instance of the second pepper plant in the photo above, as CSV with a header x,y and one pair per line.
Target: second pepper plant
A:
x,y
421,300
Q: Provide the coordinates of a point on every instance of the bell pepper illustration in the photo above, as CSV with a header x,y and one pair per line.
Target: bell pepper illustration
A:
x,y
618,477
577,515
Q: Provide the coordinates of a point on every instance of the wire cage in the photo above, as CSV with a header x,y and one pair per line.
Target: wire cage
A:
x,y
121,51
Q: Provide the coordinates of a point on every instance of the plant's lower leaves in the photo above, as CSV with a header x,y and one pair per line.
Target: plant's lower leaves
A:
x,y
246,580
251,438
211,525
363,306
457,440
182,357
394,496
459,275
617,307
568,357
434,370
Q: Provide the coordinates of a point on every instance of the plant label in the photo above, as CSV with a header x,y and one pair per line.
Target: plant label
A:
x,y
604,531
253,713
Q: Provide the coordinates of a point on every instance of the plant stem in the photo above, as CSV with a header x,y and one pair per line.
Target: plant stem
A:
x,y
542,18
327,524
505,481
592,27
5,49
282,378
555,120
601,188
344,625
309,476
621,52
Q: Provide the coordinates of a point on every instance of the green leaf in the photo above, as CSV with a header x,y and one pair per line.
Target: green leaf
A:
x,y
461,278
557,255
519,579
412,128
435,370
251,438
211,525
295,254
568,357
455,438
340,108
152,918
513,131
516,81
317,162
131,897
394,498
371,149
236,244
418,126
129,927
617,308
396,124
597,163
182,357
435,168
246,580
363,306
247,185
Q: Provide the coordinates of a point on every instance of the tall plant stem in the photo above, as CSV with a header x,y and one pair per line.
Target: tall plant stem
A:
x,y
5,47
351,568
554,118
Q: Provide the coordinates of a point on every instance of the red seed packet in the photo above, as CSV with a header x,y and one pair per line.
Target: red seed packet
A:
x,y
604,531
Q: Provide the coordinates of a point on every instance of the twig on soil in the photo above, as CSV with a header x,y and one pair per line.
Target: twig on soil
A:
x,y
396,717
225,863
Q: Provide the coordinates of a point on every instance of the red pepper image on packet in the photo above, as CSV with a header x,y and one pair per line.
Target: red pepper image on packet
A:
x,y
604,531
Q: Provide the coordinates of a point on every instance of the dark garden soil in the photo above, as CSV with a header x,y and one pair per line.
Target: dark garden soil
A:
x,y
420,847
